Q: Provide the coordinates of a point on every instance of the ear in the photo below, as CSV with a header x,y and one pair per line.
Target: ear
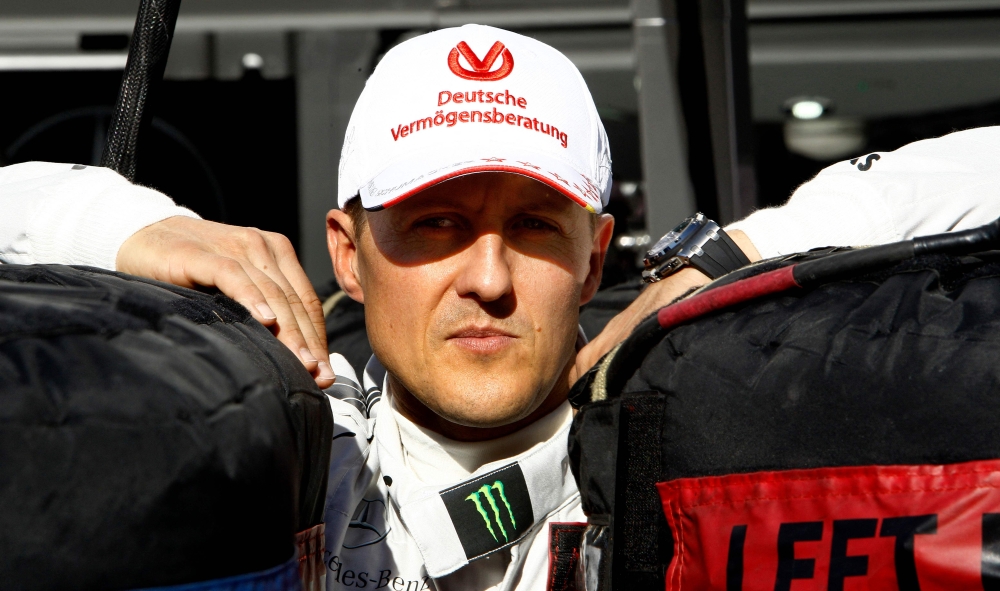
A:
x,y
602,238
340,240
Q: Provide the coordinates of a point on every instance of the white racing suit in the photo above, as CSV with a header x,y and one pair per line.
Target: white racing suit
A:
x,y
386,529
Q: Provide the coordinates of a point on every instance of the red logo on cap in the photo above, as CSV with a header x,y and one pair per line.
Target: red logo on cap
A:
x,y
481,68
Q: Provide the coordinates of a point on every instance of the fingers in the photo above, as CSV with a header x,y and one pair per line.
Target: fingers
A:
x,y
288,328
653,298
615,331
590,354
258,293
300,324
580,366
228,275
289,266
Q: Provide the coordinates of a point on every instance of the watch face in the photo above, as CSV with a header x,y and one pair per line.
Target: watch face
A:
x,y
676,237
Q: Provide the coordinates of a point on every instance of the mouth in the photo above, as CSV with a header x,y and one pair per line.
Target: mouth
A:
x,y
482,340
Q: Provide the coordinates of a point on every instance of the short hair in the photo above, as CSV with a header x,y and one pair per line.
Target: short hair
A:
x,y
358,215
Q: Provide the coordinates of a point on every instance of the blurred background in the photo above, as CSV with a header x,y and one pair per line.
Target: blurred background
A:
x,y
722,106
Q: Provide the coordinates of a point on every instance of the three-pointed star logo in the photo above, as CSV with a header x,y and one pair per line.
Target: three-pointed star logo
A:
x,y
369,525
482,69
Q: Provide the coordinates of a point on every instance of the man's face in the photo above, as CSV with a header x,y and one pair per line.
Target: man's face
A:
x,y
472,291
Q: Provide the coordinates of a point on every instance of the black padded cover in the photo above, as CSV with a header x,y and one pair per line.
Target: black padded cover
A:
x,y
896,367
149,434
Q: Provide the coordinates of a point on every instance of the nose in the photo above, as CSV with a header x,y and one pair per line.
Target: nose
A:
x,y
486,273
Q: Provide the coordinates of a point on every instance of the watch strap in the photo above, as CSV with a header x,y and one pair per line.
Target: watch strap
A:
x,y
719,256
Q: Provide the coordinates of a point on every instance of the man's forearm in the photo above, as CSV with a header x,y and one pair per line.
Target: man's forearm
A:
x,y
73,214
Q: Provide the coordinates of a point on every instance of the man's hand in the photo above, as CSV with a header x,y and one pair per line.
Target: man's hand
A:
x,y
257,269
653,298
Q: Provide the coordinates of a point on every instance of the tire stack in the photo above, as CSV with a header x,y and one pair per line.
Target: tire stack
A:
x,y
149,436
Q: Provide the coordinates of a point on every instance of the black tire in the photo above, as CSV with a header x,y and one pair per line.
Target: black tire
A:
x,y
149,435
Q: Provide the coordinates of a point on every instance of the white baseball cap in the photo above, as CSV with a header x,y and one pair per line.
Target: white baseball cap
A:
x,y
473,99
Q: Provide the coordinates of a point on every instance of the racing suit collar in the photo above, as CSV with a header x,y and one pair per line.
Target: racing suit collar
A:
x,y
500,504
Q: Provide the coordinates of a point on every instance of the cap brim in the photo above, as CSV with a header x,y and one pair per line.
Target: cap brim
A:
x,y
412,175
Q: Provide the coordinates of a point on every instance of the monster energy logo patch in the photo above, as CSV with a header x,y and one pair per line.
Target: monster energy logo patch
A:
x,y
490,511
484,490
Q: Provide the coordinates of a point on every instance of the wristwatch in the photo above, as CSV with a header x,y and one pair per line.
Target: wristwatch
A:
x,y
699,242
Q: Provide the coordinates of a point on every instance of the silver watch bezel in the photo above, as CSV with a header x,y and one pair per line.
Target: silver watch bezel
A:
x,y
676,248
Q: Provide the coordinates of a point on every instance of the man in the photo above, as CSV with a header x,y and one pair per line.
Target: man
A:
x,y
471,244
470,229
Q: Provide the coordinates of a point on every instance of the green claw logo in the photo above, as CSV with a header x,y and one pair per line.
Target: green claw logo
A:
x,y
484,491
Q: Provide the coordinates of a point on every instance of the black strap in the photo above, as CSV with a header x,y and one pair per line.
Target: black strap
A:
x,y
642,547
720,255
